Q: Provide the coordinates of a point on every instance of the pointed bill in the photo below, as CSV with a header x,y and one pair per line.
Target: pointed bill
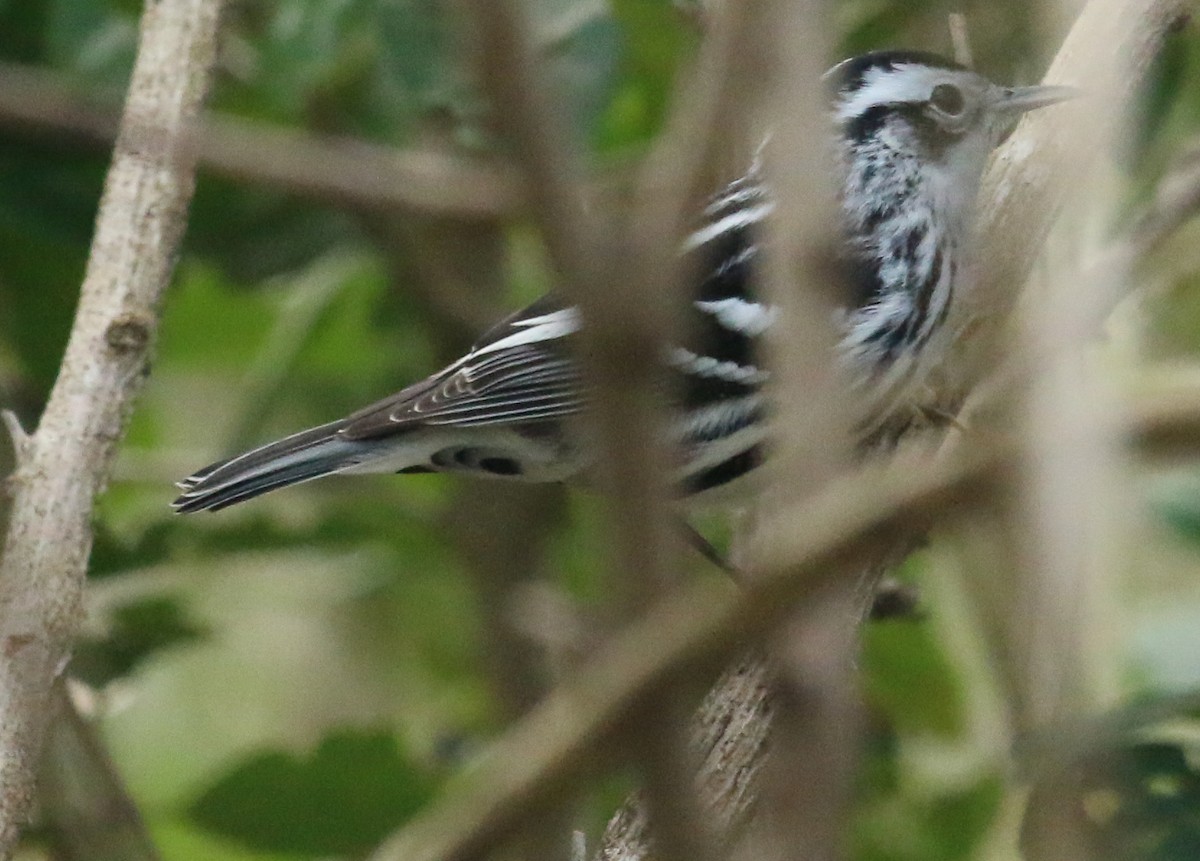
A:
x,y
1019,100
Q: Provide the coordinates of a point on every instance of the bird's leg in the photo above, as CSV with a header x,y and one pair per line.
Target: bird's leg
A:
x,y
893,599
941,418
706,549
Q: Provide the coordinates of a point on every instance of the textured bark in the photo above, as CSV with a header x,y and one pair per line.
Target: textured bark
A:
x,y
730,741
65,463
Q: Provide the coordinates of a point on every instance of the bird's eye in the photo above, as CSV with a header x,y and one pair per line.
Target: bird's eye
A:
x,y
948,99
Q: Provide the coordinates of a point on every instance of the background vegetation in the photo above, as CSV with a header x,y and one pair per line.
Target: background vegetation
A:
x,y
294,677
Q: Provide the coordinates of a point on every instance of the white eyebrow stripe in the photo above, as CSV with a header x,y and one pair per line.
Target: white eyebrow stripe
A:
x,y
741,315
905,82
733,221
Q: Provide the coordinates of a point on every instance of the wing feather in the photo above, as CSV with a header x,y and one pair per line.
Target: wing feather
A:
x,y
522,370
519,371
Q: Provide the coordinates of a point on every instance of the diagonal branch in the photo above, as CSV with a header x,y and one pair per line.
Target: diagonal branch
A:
x,y
141,221
704,622
697,625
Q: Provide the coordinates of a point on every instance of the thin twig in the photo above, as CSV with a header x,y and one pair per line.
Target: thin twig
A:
x,y
21,441
141,221
1176,201
960,38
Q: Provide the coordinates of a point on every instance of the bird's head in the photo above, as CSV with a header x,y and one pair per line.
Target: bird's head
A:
x,y
934,109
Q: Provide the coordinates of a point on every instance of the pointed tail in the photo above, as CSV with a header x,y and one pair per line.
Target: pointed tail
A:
x,y
300,457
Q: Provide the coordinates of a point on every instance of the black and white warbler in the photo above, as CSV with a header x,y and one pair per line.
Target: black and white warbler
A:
x,y
915,132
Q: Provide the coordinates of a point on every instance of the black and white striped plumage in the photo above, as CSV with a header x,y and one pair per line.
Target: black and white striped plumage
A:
x,y
915,132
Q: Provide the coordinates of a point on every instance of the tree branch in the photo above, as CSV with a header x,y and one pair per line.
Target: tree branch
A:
x,y
81,795
697,625
327,168
141,221
701,623
1111,44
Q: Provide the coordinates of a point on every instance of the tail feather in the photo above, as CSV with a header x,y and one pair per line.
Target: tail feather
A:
x,y
301,457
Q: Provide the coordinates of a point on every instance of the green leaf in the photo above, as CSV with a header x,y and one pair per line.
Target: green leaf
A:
x,y
655,41
97,38
946,827
1177,500
137,631
355,789
909,679
23,25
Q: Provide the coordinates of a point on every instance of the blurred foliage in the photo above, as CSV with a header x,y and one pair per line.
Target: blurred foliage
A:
x,y
136,630
294,675
342,801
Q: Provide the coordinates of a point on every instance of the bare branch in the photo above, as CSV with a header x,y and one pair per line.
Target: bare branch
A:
x,y
960,38
1165,425
334,169
21,441
82,797
1112,42
141,221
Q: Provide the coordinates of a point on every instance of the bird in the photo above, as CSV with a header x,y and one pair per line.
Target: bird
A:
x,y
913,131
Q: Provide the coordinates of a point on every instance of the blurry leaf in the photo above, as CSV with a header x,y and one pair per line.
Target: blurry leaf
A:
x,y
355,789
583,65
867,26
958,822
211,325
1133,789
48,202
1164,84
184,841
97,38
253,234
111,556
1177,499
23,25
137,630
655,40
894,826
909,679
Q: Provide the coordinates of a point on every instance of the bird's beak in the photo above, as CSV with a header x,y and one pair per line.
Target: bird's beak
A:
x,y
1015,101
